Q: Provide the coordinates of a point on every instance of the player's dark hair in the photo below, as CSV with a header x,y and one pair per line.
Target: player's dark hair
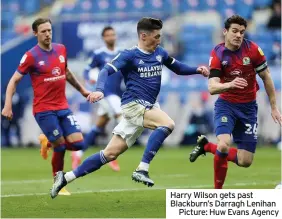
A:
x,y
39,21
105,29
235,19
149,24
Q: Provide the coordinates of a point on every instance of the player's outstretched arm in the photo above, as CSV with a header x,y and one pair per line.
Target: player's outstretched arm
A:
x,y
270,90
75,83
180,68
216,87
11,89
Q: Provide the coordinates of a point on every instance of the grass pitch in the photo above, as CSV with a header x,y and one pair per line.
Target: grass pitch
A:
x,y
26,180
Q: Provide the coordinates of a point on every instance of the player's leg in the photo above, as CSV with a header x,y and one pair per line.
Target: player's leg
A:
x,y
162,125
125,135
72,131
116,146
53,137
245,134
224,120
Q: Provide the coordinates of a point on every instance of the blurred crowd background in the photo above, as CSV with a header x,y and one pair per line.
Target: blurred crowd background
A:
x,y
191,29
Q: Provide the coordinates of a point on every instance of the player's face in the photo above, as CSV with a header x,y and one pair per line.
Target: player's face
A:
x,y
234,35
152,39
44,34
110,37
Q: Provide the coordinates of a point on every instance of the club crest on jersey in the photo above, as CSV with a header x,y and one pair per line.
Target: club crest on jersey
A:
x,y
224,119
62,59
56,71
159,58
246,61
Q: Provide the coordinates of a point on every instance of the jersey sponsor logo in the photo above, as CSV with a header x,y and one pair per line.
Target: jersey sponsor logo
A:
x,y
23,59
260,51
236,72
224,119
150,71
41,63
246,61
159,58
56,71
62,59
141,62
61,77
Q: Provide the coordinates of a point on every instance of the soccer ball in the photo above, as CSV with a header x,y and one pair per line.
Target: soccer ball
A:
x,y
279,186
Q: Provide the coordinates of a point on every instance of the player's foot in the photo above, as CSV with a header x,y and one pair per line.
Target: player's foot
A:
x,y
44,146
199,149
64,191
114,165
76,160
143,177
59,183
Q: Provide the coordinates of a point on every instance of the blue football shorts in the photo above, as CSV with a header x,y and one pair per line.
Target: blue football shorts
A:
x,y
238,120
55,124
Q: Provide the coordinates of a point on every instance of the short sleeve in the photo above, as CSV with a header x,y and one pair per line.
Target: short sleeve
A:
x,y
258,58
214,62
26,63
122,60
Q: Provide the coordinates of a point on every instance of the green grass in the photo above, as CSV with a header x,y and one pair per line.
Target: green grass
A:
x,y
26,180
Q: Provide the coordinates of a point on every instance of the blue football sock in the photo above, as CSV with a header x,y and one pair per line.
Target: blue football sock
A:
x,y
90,164
90,138
154,143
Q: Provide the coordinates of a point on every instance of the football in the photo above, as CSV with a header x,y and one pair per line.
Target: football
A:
x,y
279,186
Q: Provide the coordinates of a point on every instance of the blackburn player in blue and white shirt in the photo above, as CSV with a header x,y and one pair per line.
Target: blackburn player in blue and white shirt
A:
x,y
110,106
141,67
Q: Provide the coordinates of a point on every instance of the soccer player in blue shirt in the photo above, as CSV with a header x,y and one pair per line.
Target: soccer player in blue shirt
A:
x,y
141,67
110,106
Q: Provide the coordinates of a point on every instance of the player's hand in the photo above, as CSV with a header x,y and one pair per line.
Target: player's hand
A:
x,y
7,113
95,96
203,70
239,83
276,116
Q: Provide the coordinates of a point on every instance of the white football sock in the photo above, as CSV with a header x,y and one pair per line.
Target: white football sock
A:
x,y
143,166
69,176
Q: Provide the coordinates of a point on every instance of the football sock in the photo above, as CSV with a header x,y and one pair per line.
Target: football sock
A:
x,y
220,169
90,164
58,159
154,143
232,154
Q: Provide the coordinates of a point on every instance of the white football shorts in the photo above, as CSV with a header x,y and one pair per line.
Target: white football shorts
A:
x,y
131,125
110,106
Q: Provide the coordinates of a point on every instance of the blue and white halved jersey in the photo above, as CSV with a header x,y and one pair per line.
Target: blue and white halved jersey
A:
x,y
98,60
142,72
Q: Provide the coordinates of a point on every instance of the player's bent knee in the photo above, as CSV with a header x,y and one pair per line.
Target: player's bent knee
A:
x,y
110,155
170,124
223,146
245,163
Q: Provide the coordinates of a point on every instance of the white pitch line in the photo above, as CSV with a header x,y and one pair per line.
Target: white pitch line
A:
x,y
144,189
34,181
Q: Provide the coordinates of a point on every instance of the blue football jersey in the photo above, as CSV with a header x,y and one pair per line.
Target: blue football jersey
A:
x,y
98,59
142,72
